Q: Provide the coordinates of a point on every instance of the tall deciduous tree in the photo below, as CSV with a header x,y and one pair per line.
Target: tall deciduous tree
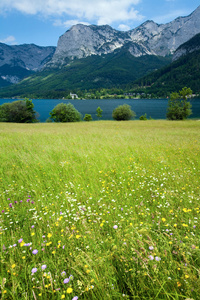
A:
x,y
99,112
21,111
179,108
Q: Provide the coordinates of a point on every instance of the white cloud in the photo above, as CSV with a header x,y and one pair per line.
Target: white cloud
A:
x,y
69,23
123,27
98,11
9,40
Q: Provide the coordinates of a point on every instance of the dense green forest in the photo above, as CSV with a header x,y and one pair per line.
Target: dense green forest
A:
x,y
92,74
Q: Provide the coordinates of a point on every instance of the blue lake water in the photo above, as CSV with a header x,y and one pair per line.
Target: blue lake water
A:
x,y
154,108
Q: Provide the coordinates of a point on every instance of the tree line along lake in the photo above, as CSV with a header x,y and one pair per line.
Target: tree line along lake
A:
x,y
154,108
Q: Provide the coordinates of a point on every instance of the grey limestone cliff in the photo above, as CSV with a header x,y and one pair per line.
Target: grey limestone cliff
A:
x,y
149,38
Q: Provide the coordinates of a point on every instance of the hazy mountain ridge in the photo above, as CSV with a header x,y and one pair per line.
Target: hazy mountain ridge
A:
x,y
19,61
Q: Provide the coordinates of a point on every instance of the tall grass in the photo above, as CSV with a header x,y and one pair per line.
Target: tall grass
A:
x,y
100,210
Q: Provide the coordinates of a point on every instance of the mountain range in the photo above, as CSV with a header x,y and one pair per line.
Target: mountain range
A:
x,y
96,56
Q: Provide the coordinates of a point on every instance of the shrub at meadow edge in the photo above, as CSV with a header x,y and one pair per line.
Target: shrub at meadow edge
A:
x,y
65,113
20,111
123,113
87,118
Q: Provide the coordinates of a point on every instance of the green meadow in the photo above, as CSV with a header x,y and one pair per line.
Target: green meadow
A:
x,y
100,210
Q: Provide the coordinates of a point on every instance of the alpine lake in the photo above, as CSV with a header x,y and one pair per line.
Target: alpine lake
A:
x,y
154,108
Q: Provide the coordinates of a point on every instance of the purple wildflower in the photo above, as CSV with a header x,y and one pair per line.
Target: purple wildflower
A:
x,y
115,226
27,200
43,267
71,277
75,298
20,240
10,204
151,257
35,251
32,226
32,202
3,211
34,270
20,201
66,280
151,248
15,202
63,273
194,226
157,258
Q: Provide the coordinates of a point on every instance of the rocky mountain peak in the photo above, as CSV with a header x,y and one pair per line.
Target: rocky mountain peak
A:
x,y
149,38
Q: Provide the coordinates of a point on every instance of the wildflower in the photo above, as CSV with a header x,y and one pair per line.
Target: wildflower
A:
x,y
151,257
34,270
35,251
115,226
63,273
63,296
10,204
20,240
66,280
3,211
13,266
157,258
43,267
49,235
71,277
32,226
151,248
69,290
178,284
163,219
75,298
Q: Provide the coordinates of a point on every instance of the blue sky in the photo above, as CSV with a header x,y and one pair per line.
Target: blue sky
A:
x,y
42,21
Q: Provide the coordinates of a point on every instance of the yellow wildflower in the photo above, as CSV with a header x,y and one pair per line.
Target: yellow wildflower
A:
x,y
69,290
